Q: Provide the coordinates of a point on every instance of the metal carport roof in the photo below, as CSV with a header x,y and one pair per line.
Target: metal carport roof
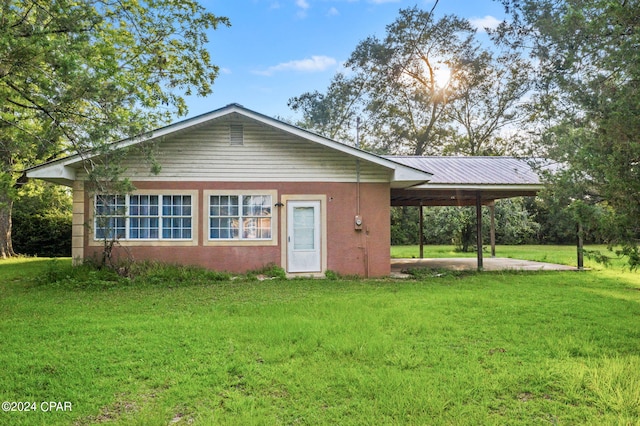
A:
x,y
457,181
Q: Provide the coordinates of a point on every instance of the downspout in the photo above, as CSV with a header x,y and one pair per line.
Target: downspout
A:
x,y
358,167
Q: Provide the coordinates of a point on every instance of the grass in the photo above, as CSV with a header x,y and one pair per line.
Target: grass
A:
x,y
490,348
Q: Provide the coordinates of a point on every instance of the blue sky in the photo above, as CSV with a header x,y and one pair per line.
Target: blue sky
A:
x,y
277,49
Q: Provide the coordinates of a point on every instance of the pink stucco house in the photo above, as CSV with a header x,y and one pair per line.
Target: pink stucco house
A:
x,y
239,190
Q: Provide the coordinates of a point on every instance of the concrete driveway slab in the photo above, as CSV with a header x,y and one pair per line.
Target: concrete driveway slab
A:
x,y
470,264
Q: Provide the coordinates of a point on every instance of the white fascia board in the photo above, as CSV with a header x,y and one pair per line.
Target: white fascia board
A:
x,y
408,174
480,187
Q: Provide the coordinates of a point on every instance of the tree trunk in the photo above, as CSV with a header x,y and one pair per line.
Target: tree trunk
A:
x,y
6,247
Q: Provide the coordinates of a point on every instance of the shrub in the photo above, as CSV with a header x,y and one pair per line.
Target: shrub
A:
x,y
270,270
84,276
331,275
142,274
162,274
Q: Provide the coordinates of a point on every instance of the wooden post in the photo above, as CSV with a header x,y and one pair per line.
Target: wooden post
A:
x,y
580,247
421,233
479,229
492,233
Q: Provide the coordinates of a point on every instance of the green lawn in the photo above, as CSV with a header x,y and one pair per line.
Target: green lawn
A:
x,y
490,348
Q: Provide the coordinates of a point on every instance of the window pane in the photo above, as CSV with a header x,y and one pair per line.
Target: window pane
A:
x,y
223,221
249,227
109,217
256,205
254,209
256,228
143,222
264,228
110,205
223,228
108,227
174,223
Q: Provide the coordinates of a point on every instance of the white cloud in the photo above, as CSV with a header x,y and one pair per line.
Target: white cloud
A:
x,y
304,6
313,64
333,12
487,22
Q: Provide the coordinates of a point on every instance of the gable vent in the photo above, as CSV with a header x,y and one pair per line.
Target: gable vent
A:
x,y
236,134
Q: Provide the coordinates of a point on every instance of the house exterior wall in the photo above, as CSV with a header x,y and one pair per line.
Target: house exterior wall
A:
x,y
347,251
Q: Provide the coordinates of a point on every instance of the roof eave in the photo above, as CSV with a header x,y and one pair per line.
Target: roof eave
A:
x,y
60,174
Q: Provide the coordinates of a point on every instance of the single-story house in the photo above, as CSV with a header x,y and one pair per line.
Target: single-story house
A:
x,y
238,190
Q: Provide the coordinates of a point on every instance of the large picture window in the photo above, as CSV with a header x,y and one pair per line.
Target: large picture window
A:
x,y
240,217
143,217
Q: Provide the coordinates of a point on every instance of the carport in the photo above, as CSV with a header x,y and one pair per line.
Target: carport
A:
x,y
467,181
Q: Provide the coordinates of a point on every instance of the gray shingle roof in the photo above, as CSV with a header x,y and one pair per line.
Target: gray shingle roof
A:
x,y
473,170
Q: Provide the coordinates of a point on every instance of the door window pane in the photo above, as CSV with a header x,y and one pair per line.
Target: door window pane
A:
x,y
303,228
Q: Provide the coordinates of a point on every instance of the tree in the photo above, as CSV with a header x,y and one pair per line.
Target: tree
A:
x,y
332,114
426,88
397,84
42,217
75,76
587,107
490,91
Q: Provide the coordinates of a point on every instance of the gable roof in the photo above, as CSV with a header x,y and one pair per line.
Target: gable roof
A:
x,y
63,170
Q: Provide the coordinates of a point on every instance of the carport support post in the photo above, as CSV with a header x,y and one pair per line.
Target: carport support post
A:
x,y
580,247
420,232
492,210
479,229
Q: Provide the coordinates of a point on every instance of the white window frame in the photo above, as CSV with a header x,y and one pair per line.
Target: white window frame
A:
x,y
241,240
161,239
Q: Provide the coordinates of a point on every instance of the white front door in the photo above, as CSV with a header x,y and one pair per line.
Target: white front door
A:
x,y
303,236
